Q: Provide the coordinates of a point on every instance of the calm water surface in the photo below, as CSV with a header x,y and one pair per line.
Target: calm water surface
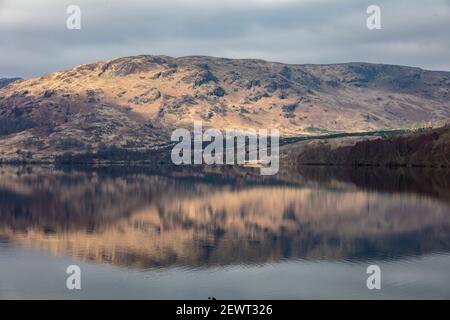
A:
x,y
224,232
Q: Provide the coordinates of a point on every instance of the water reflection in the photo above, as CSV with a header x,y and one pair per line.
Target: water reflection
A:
x,y
217,216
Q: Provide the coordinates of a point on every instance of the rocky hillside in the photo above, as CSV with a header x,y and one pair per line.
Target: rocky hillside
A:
x,y
135,102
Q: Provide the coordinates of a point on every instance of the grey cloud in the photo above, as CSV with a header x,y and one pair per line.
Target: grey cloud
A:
x,y
34,40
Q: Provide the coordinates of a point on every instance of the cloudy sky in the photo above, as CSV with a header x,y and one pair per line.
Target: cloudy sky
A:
x,y
34,39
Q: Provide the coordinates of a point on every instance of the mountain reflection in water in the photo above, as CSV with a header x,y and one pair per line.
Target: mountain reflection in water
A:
x,y
221,216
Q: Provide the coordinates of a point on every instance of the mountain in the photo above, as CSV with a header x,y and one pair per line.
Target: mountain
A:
x,y
134,103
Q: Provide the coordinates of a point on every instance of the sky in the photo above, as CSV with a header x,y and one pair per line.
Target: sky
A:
x,y
34,39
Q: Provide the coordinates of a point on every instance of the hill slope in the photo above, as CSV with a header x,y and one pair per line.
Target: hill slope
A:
x,y
135,102
429,148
